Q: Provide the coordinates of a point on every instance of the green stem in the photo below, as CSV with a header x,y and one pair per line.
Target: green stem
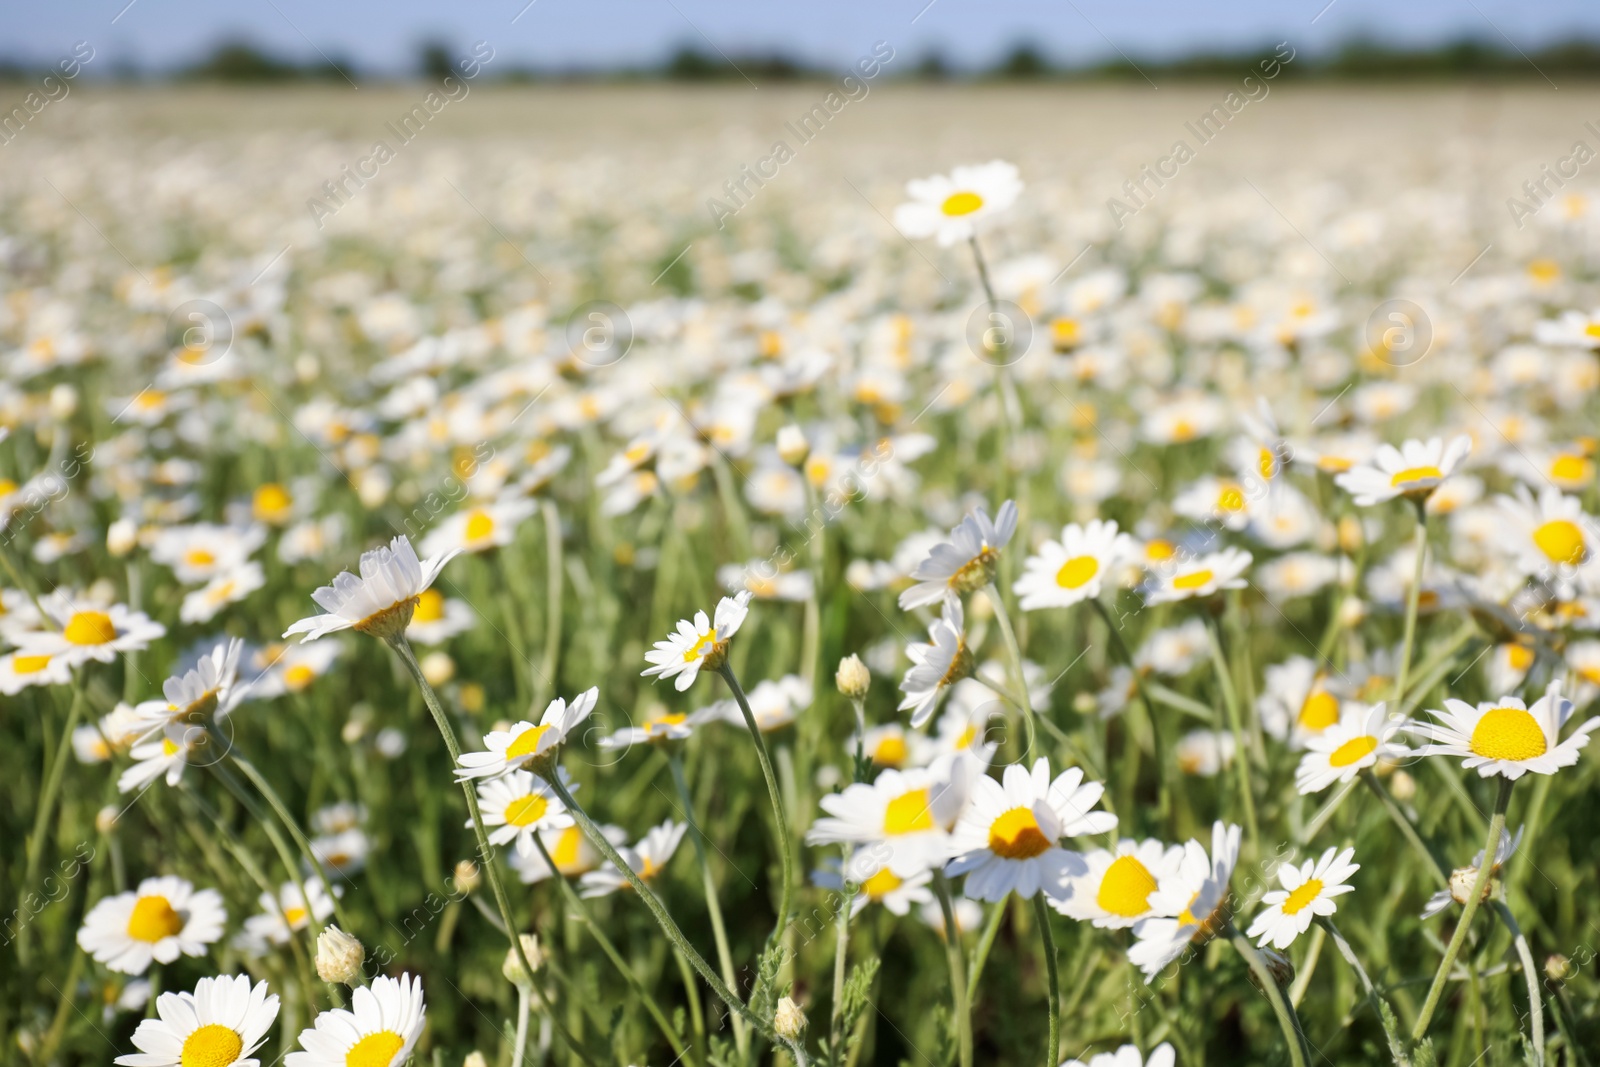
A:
x,y
840,951
1288,1021
47,801
1404,823
1019,680
1497,823
1397,1048
1157,749
553,588
452,744
980,955
576,904
774,794
1241,761
1530,975
522,1025
1326,812
713,905
1413,596
1041,913
961,1005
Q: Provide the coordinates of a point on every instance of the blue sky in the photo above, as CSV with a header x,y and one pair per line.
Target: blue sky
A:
x,y
382,34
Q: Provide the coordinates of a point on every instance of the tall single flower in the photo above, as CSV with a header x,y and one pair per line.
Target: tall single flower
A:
x,y
507,750
956,206
1190,904
381,1031
380,602
1414,470
964,563
161,920
1308,891
1118,887
1360,738
696,644
210,689
220,1024
1198,577
87,631
1506,737
1074,568
908,813
937,665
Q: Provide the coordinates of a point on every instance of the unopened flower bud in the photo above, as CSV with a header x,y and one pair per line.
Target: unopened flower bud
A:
x,y
339,956
467,876
1280,966
789,1021
121,537
1084,703
1402,786
105,820
1461,882
474,1059
1558,968
792,445
438,668
512,967
853,678
1351,611
63,402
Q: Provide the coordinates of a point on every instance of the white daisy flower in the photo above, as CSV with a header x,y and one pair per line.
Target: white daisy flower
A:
x,y
210,689
957,207
161,920
909,812
1008,839
1507,665
1462,879
86,631
937,665
1128,1056
220,1024
19,670
1211,500
1296,703
518,805
380,1032
887,746
1204,752
659,729
964,563
1190,904
875,883
478,528
1116,889
199,552
507,750
342,853
1074,568
646,859
764,582
229,587
573,853
279,668
163,757
773,703
1198,577
282,915
436,618
683,653
1414,470
381,600
1572,328
1506,737
1360,738
1553,534
1308,891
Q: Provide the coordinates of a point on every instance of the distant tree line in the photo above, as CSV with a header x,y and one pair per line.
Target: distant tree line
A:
x,y
241,61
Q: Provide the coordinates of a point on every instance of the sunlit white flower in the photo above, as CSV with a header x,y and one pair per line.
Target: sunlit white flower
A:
x,y
573,853
875,883
1413,470
908,814
1296,703
1308,891
380,601
518,805
200,552
19,670
958,206
1553,536
646,859
1074,568
220,1024
438,618
1128,1056
161,920
507,750
1198,577
1190,904
1115,889
479,527
964,563
683,653
228,587
937,665
1506,737
86,631
1360,738
208,690
774,703
285,913
381,1031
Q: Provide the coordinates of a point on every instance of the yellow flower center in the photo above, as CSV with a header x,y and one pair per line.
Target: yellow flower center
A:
x,y
90,628
1320,711
1193,580
430,606
271,501
698,649
663,724
212,1045
968,736
1561,540
1356,748
153,919
908,813
1415,474
1508,734
295,916
374,1050
1309,890
1182,430
480,524
962,203
7,487
567,852
526,743
1569,468
298,677
1267,463
1016,835
1519,657
1076,572
29,664
1230,498
1160,550
881,884
524,811
199,557
1126,887
891,751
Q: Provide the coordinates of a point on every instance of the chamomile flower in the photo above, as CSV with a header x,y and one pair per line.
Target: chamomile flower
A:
x,y
19,670
774,703
161,920
438,618
208,690
1414,470
1360,738
163,757
1506,737
381,601
887,746
573,853
1297,703
220,1024
381,1031
647,858
908,813
228,587
1308,891
1462,879
281,668
343,853
1074,568
964,563
1128,1056
955,207
1552,535
285,913
507,750
1204,752
937,665
478,528
659,729
1008,839
1198,577
875,883
86,631
1115,890
1190,905
518,805
684,652
765,582
200,552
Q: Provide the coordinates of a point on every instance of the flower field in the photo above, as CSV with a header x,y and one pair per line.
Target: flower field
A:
x,y
638,575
